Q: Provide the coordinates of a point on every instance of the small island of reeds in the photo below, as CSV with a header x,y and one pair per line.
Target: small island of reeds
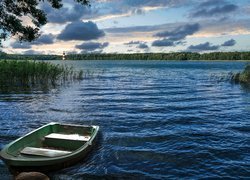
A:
x,y
31,74
243,77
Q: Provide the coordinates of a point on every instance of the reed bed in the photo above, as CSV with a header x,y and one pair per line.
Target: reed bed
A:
x,y
243,77
31,74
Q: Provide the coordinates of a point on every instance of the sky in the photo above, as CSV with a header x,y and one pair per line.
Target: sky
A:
x,y
141,26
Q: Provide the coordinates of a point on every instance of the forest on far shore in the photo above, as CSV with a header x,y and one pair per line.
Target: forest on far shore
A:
x,y
136,56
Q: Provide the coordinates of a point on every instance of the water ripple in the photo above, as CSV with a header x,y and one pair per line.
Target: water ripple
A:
x,y
159,120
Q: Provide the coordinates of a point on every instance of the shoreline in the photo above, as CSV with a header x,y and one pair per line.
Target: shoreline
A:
x,y
180,56
191,60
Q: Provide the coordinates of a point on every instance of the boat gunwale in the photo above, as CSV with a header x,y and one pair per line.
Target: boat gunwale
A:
x,y
10,159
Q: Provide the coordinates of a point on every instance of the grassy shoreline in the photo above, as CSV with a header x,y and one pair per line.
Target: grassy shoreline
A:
x,y
31,74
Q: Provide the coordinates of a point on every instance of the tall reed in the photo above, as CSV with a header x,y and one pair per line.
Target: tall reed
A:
x,y
31,74
243,77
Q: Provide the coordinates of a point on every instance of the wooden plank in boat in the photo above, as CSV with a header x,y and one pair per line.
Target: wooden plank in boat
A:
x,y
43,152
73,137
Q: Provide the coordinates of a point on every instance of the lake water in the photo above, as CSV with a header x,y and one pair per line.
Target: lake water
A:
x,y
158,119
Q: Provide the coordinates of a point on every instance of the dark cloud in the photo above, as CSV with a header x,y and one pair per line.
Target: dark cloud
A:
x,y
32,52
176,36
72,11
210,3
98,51
130,29
44,39
142,46
92,46
69,13
212,25
138,11
230,42
150,28
71,52
104,8
132,42
81,31
209,47
152,3
215,11
163,42
180,32
212,8
20,45
203,47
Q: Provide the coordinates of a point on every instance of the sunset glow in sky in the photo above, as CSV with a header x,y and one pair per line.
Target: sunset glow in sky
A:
x,y
131,26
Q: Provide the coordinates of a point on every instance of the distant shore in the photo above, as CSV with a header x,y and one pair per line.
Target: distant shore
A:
x,y
231,56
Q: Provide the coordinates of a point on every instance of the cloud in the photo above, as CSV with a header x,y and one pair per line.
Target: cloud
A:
x,y
212,8
180,32
163,42
44,39
98,51
206,26
138,11
32,52
209,47
110,9
20,45
70,12
81,31
231,42
211,3
142,46
102,10
71,52
92,46
132,42
203,47
151,3
175,36
149,28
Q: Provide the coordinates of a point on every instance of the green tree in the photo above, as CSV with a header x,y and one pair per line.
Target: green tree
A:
x,y
12,13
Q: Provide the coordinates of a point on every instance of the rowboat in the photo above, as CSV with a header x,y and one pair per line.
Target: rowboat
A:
x,y
50,147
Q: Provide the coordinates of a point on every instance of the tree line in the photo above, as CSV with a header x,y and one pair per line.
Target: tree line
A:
x,y
136,56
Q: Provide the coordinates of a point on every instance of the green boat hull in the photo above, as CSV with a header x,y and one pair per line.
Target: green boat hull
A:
x,y
16,161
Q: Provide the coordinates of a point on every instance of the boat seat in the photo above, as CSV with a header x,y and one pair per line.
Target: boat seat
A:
x,y
71,137
43,152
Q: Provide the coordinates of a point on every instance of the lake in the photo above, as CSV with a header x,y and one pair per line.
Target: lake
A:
x,y
158,119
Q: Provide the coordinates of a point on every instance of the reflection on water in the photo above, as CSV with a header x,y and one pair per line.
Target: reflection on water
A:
x,y
158,119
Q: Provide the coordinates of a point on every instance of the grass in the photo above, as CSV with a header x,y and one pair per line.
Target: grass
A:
x,y
31,74
243,77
